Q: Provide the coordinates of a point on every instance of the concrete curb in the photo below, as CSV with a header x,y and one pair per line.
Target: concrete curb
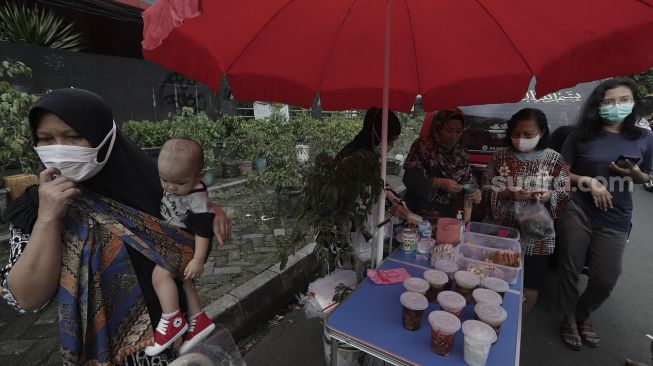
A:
x,y
243,308
216,189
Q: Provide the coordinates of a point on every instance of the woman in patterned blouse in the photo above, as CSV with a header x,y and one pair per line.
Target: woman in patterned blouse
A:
x,y
527,169
437,166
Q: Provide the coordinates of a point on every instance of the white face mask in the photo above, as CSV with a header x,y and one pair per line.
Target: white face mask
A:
x,y
525,144
76,163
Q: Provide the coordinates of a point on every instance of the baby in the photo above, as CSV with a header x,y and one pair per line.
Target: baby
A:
x,y
185,204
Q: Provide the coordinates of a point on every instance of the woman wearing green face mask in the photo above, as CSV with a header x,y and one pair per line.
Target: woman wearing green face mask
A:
x,y
597,220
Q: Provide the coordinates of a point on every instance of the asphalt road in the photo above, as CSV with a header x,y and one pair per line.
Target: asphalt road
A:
x,y
622,321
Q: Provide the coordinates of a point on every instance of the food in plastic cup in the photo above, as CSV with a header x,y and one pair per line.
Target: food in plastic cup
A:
x,y
495,284
492,315
478,340
423,250
466,282
485,296
415,284
408,240
452,302
444,326
413,306
438,282
447,267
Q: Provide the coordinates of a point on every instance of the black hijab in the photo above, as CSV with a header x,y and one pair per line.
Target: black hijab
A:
x,y
370,135
130,176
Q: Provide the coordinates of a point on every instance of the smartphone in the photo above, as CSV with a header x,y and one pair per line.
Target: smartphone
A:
x,y
622,159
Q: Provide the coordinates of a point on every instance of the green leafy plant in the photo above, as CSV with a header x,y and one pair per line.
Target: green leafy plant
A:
x,y
20,23
15,133
644,81
337,198
342,291
185,123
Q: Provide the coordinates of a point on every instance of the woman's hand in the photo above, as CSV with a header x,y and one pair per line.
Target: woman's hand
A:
x,y
519,193
601,196
628,169
54,195
476,196
542,195
221,225
448,185
194,269
399,210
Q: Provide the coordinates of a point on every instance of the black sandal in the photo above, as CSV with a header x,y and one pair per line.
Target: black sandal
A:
x,y
570,335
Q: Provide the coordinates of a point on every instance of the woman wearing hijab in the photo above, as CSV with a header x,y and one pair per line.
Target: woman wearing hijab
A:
x,y
89,234
369,138
437,166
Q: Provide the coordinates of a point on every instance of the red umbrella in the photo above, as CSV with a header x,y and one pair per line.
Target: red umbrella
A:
x,y
452,52
363,53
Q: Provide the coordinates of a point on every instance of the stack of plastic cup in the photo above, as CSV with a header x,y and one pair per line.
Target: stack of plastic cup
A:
x,y
492,315
415,284
452,302
413,306
447,267
443,331
466,282
438,281
495,284
483,295
423,249
478,340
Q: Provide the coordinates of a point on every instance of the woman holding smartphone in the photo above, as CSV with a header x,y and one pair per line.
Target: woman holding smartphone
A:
x,y
597,220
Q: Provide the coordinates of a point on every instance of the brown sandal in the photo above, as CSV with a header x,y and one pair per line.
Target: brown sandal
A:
x,y
570,335
588,334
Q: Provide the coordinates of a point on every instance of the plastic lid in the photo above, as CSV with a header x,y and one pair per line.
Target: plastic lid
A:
x,y
479,331
435,277
493,314
451,300
414,301
446,266
494,283
469,187
467,279
444,321
414,284
483,295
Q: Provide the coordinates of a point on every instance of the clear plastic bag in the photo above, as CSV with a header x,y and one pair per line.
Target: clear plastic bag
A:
x,y
534,221
219,349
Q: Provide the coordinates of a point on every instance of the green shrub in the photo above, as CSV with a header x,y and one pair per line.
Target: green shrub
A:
x,y
15,133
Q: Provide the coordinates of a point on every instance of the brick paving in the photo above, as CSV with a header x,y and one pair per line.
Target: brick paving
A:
x,y
33,339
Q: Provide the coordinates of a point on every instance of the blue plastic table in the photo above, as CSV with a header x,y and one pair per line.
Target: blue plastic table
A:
x,y
370,319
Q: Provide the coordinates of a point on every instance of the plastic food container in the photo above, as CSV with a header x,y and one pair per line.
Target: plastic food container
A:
x,y
492,315
485,296
491,251
448,231
495,284
414,284
448,267
466,282
413,306
438,282
452,302
478,340
444,326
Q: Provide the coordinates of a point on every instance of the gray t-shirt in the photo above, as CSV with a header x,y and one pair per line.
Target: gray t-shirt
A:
x,y
592,158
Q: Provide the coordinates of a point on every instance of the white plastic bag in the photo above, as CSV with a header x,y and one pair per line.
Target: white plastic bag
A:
x,y
534,221
322,290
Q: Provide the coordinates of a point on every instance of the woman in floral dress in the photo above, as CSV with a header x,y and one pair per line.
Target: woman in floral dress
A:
x,y
524,171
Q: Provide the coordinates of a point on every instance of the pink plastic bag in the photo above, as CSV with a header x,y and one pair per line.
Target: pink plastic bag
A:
x,y
388,276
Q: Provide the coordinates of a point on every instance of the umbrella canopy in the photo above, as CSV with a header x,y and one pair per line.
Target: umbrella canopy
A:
x,y
452,52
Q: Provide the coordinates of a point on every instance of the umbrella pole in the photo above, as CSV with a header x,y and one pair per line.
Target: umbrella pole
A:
x,y
384,136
